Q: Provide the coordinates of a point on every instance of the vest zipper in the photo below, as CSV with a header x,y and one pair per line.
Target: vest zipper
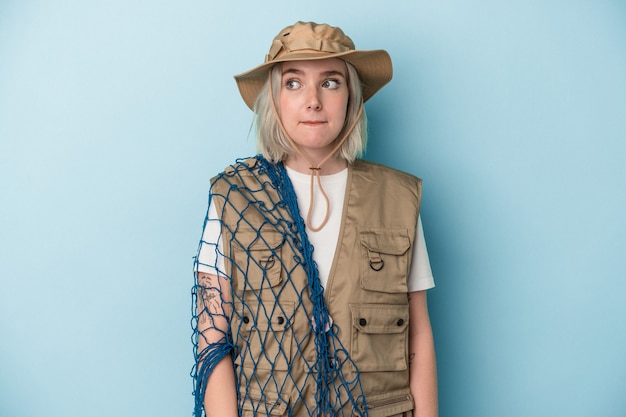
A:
x,y
388,401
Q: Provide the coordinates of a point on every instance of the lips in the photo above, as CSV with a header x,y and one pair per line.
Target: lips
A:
x,y
312,122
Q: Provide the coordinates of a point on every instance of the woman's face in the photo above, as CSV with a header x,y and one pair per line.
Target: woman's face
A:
x,y
313,102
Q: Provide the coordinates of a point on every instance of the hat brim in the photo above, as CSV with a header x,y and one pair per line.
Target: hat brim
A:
x,y
374,69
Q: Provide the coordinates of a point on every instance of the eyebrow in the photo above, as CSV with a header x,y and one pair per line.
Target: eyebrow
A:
x,y
323,73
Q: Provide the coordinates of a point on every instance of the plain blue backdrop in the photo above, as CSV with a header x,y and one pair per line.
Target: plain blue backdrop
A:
x,y
115,114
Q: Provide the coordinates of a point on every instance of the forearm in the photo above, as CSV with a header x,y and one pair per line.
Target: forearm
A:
x,y
213,309
424,377
423,366
220,398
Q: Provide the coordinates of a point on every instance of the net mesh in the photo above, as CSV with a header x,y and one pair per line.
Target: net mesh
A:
x,y
262,304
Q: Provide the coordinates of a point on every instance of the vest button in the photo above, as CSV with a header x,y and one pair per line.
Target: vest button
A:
x,y
246,319
362,321
280,320
400,322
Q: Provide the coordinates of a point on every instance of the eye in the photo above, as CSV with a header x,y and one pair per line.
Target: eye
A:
x,y
292,84
331,83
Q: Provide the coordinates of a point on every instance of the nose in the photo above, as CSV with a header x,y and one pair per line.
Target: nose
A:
x,y
313,100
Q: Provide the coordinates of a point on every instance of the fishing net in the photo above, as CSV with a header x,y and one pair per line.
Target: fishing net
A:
x,y
263,305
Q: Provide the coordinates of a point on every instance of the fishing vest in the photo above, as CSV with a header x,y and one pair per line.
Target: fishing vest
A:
x,y
275,354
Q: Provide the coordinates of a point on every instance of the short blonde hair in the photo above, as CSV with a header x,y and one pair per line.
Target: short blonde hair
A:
x,y
273,143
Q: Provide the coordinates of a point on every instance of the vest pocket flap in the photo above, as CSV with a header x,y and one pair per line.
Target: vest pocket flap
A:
x,y
263,240
380,318
392,241
257,316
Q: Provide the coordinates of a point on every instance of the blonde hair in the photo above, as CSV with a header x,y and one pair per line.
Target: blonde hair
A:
x,y
273,143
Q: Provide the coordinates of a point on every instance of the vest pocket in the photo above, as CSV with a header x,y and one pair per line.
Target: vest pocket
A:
x,y
379,337
384,259
257,260
264,338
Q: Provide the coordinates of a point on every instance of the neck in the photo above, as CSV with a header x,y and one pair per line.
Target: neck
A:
x,y
331,166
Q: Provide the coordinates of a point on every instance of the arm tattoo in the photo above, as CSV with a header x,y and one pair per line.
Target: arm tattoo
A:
x,y
209,298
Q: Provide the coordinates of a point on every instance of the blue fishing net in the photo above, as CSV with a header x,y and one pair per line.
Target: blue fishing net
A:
x,y
262,305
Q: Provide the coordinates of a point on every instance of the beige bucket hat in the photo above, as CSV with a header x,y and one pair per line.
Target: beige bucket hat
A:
x,y
306,41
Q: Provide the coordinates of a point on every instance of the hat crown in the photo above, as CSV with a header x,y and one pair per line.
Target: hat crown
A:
x,y
310,37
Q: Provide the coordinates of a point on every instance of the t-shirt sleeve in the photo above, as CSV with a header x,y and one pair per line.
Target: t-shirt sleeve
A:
x,y
210,254
420,276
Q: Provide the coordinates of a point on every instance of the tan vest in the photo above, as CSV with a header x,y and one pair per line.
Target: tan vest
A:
x,y
366,293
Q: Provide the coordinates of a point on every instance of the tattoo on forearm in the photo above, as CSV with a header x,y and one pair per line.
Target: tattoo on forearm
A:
x,y
208,298
211,301
411,357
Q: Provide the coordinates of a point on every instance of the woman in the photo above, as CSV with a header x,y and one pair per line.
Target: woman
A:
x,y
311,273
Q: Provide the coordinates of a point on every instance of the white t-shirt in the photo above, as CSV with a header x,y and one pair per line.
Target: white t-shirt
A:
x,y
324,241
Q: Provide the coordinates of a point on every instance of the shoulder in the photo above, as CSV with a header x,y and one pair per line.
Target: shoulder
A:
x,y
243,172
381,173
243,166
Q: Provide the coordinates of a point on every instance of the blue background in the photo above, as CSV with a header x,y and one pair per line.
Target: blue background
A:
x,y
114,115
